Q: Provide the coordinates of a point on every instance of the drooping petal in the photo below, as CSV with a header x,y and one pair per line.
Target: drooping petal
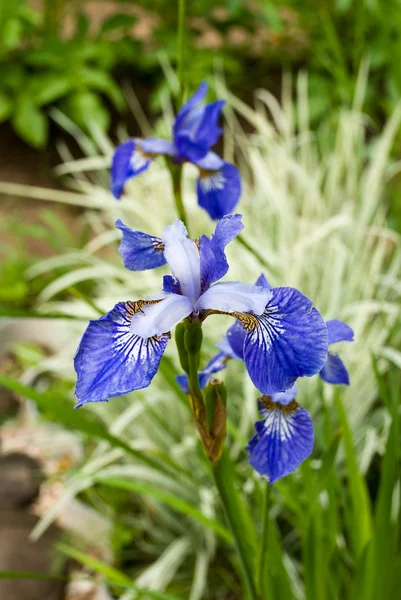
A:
x,y
140,251
183,258
216,364
288,341
157,146
110,361
171,284
339,332
213,261
233,296
334,371
128,161
263,282
160,317
219,191
196,127
283,440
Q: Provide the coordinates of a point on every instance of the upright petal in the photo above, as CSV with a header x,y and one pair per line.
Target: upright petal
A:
x,y
128,161
183,258
213,261
233,296
161,316
195,99
288,341
216,364
219,191
334,371
283,440
339,332
196,127
111,361
171,284
263,282
140,251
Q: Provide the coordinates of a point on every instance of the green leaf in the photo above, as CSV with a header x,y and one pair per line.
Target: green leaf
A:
x,y
170,500
60,409
48,88
6,107
31,124
11,33
84,108
118,21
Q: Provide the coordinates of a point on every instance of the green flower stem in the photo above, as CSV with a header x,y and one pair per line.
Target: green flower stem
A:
x,y
239,520
263,540
176,177
254,252
180,52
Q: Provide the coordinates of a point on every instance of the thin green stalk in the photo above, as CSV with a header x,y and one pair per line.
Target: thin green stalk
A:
x,y
176,176
180,51
263,540
238,519
254,252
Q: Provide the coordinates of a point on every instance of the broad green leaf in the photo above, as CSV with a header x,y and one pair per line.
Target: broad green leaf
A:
x,y
6,107
85,107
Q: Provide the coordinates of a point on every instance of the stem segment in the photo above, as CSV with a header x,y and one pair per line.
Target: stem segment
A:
x,y
180,51
176,176
263,540
238,519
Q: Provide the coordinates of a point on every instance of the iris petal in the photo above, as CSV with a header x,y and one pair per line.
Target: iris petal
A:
x,y
110,361
128,161
233,296
197,97
183,258
283,440
288,341
219,191
339,331
334,371
157,146
160,317
216,364
213,261
197,131
140,251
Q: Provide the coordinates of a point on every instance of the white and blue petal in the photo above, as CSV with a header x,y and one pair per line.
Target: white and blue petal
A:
x,y
225,346
128,161
233,296
283,439
139,250
162,315
339,331
216,364
236,337
157,146
183,258
288,341
213,261
111,361
334,371
287,396
195,99
219,191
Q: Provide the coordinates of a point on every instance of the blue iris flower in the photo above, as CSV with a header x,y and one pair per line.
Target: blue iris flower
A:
x,y
284,336
195,131
285,436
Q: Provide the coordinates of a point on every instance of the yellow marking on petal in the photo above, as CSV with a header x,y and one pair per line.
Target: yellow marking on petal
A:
x,y
248,321
286,409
